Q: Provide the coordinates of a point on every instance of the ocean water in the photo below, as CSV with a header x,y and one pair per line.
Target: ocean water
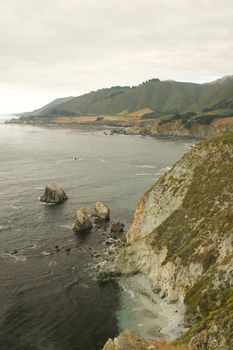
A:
x,y
47,298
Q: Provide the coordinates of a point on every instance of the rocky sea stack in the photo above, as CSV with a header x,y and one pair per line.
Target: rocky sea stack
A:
x,y
54,194
101,211
182,239
83,223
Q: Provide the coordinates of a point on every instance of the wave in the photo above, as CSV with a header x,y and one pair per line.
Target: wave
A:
x,y
167,168
18,258
16,206
146,166
45,253
69,227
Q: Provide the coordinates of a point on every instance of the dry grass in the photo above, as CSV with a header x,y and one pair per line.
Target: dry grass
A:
x,y
166,345
92,118
139,113
221,121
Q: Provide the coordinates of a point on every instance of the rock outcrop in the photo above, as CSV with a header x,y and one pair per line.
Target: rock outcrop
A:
x,y
83,223
101,211
117,229
182,238
130,341
175,128
54,194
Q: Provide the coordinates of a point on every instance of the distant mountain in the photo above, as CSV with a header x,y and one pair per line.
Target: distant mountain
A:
x,y
159,96
51,105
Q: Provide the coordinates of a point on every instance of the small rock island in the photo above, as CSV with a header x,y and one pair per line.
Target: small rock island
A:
x,y
54,194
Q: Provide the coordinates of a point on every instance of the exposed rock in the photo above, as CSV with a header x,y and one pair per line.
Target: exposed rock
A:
x,y
102,211
83,223
182,239
175,128
54,194
117,229
130,341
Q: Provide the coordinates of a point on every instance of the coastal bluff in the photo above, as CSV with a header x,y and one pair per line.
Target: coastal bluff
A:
x,y
182,239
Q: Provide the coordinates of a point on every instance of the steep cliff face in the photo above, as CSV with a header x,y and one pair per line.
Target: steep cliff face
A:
x,y
182,238
218,126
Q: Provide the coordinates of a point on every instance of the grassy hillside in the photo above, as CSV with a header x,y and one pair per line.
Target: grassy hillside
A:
x,y
182,239
159,96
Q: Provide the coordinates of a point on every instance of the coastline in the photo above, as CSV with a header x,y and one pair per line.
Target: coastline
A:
x,y
134,126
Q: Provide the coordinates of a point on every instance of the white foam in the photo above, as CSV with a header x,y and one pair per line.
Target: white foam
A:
x,y
45,253
16,206
68,227
167,168
145,312
146,166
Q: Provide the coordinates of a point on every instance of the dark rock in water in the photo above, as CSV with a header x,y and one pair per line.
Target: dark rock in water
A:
x,y
101,211
117,229
15,251
57,248
83,223
105,277
54,194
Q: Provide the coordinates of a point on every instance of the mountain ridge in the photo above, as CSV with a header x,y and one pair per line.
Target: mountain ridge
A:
x,y
157,95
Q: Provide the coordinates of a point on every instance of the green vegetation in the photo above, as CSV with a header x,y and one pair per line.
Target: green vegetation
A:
x,y
168,99
194,232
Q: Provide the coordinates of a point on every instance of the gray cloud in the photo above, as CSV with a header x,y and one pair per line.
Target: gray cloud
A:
x,y
81,45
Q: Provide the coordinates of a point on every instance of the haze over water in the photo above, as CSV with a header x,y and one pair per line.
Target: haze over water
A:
x,y
48,300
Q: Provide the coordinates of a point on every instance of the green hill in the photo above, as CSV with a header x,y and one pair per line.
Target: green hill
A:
x,y
159,96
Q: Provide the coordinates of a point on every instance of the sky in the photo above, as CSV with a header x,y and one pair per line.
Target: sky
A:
x,y
58,48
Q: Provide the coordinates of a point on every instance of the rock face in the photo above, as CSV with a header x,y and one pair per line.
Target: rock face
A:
x,y
83,223
130,341
54,194
182,238
102,211
218,126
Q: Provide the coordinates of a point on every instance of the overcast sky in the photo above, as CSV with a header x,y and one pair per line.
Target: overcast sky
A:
x,y
54,48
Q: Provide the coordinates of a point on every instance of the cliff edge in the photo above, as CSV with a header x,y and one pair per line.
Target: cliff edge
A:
x,y
182,239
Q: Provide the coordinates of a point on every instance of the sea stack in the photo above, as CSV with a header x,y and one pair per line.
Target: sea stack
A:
x,y
101,211
54,194
83,223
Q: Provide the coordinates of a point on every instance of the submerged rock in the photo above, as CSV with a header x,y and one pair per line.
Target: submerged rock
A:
x,y
54,194
101,211
83,223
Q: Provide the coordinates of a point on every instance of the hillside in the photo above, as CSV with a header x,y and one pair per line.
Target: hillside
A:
x,y
182,239
156,95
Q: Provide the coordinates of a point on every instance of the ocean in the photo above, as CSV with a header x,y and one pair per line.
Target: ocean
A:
x,y
48,300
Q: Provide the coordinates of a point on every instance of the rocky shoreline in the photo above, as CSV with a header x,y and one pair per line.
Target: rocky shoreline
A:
x,y
181,250
154,128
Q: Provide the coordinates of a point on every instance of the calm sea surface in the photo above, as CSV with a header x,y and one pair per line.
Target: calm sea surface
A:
x,y
47,298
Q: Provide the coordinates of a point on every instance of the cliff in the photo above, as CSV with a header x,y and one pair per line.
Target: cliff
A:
x,y
216,127
182,238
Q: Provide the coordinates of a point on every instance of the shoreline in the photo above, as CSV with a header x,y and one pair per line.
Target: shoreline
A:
x,y
88,127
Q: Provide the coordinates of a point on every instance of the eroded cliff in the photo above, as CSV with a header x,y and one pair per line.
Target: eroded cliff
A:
x,y
182,238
